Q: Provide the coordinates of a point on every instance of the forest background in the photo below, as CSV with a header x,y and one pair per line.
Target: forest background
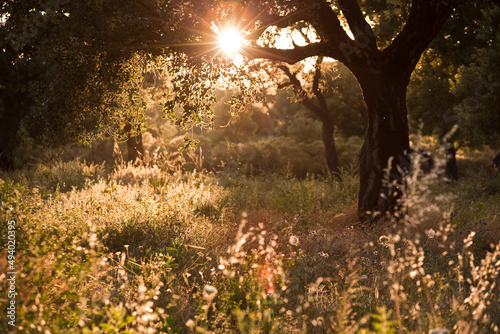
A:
x,y
153,193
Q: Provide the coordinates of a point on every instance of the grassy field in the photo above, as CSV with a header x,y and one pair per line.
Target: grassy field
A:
x,y
148,250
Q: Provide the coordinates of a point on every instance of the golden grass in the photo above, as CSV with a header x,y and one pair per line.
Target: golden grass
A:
x,y
141,249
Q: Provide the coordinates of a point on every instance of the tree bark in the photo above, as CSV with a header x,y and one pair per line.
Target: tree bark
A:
x,y
384,155
332,159
451,162
135,148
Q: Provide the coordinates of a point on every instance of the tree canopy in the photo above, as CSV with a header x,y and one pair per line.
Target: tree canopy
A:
x,y
456,81
382,68
76,68
381,42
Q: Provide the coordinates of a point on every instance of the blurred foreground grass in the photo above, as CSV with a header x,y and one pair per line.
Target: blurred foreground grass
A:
x,y
143,250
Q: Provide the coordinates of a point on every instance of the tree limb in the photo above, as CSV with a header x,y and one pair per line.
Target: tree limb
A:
x,y
315,87
300,92
325,22
360,29
292,56
334,41
425,20
267,20
284,84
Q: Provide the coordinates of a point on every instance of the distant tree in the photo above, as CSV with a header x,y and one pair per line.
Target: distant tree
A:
x,y
346,99
322,92
310,93
455,83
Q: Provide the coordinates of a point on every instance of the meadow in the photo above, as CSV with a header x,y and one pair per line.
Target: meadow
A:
x,y
153,248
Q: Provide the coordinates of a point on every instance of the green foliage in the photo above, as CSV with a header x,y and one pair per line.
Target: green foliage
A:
x,y
93,62
12,194
170,326
455,81
346,102
382,322
388,17
303,129
474,112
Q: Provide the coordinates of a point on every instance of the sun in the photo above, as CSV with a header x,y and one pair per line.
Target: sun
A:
x,y
230,41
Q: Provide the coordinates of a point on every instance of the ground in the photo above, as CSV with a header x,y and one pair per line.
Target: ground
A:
x,y
146,249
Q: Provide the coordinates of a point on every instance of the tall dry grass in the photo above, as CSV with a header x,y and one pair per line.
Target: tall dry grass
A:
x,y
152,249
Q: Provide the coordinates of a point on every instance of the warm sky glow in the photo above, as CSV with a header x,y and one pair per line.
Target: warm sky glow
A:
x,y
230,41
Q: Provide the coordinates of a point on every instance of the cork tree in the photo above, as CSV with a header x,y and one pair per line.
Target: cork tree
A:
x,y
382,64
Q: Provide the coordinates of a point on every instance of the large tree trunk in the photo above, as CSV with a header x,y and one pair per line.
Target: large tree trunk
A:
x,y
135,147
385,151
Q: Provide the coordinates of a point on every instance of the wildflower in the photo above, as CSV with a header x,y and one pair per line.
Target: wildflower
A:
x,y
270,289
323,254
438,331
364,277
347,260
383,239
190,323
210,289
209,292
294,240
432,233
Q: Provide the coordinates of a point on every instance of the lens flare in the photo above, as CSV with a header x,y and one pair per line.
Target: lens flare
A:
x,y
230,41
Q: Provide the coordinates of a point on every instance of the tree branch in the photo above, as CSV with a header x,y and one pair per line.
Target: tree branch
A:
x,y
300,92
291,56
326,23
305,36
315,87
425,20
284,84
334,41
357,23
270,20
